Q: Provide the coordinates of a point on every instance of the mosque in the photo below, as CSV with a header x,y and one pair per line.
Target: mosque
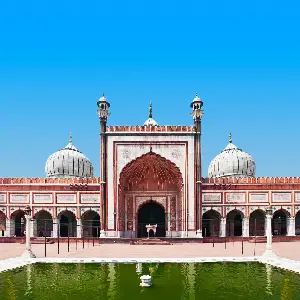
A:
x,y
150,184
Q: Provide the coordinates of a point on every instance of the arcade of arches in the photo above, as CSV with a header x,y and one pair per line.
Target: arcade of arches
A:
x,y
151,212
43,225
142,183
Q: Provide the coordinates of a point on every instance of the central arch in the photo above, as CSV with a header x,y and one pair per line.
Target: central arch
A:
x,y
151,213
150,176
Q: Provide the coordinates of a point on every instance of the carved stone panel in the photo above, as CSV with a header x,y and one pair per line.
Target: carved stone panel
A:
x,y
258,197
2,198
3,210
62,209
140,200
235,197
130,213
65,198
42,198
173,214
297,197
89,198
281,197
85,209
211,197
19,198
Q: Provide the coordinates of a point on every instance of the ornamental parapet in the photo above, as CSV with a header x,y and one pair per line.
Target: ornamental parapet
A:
x,y
136,129
62,181
252,180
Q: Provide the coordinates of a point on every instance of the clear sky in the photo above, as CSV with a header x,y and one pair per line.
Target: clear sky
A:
x,y
57,57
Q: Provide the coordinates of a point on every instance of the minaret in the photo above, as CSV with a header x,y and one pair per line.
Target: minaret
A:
x,y
103,113
197,114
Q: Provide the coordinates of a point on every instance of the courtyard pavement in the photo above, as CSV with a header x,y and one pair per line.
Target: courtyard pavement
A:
x,y
289,250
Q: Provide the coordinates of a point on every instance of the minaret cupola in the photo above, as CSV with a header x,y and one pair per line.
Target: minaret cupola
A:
x,y
196,106
103,106
150,121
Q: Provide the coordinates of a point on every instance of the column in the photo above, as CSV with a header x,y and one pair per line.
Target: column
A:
x,y
266,226
79,228
291,226
7,231
223,227
33,228
12,227
246,227
55,228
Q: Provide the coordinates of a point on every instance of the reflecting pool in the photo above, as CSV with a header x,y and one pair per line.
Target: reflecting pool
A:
x,y
199,281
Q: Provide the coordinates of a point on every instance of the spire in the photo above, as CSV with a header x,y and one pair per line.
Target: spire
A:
x,y
71,140
150,110
230,137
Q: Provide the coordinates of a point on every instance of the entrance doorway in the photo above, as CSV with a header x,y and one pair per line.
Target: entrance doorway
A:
x,y
151,213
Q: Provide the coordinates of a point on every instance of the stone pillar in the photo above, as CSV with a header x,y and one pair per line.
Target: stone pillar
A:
x,y
266,226
223,227
28,252
7,232
79,228
246,227
33,228
55,228
12,227
291,226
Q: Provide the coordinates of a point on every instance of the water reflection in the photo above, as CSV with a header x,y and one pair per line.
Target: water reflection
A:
x,y
269,280
112,290
28,291
139,268
215,281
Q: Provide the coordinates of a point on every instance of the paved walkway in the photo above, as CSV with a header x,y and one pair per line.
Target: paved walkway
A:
x,y
289,250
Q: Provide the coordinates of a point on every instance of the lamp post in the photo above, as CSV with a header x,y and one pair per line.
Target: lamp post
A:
x,y
269,216
28,252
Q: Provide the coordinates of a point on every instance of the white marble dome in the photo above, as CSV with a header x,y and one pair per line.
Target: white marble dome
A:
x,y
232,162
68,162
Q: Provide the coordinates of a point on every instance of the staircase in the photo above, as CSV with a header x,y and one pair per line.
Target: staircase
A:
x,y
258,239
39,240
151,241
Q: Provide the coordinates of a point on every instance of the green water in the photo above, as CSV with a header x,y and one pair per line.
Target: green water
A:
x,y
199,281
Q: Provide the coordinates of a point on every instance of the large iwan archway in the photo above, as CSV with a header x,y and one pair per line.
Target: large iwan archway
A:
x,y
148,177
151,213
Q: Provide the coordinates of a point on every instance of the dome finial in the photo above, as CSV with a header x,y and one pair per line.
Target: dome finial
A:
x,y
230,137
150,109
103,94
71,140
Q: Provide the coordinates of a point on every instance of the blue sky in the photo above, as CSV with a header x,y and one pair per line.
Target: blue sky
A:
x,y
57,57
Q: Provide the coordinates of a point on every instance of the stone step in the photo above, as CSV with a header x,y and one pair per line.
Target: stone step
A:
x,y
151,241
258,239
39,240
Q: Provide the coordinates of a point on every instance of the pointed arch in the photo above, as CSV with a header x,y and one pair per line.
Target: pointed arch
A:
x,y
90,223
234,222
44,223
279,222
67,224
211,220
149,174
2,223
257,223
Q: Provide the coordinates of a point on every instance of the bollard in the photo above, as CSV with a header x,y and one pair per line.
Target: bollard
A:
x,y
213,236
242,245
76,243
93,241
58,241
45,246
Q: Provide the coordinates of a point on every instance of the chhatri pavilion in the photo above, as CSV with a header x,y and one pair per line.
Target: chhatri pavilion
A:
x,y
150,183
